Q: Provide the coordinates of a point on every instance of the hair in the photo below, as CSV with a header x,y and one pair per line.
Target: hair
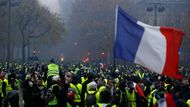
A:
x,y
52,60
105,96
66,72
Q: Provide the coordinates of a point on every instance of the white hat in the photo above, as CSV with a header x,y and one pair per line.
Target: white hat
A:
x,y
116,70
28,76
55,78
92,85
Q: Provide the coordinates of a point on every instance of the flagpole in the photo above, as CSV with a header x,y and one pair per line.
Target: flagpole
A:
x,y
116,12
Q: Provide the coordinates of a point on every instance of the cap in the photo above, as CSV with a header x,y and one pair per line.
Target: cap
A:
x,y
93,85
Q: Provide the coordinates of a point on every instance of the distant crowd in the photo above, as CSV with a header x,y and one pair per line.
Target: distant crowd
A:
x,y
90,85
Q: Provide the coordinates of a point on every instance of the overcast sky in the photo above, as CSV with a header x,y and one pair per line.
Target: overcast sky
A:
x,y
61,7
53,5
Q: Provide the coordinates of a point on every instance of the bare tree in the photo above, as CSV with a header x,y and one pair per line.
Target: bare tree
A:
x,y
37,22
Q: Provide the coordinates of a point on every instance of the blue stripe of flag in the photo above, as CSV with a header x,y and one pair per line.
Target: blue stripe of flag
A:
x,y
128,36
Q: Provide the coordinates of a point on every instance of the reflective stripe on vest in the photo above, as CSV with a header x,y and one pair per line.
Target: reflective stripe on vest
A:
x,y
78,90
53,69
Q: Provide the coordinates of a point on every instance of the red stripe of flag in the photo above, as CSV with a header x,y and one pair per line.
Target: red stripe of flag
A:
x,y
174,39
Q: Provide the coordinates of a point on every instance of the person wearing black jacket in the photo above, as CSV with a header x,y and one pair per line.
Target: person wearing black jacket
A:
x,y
62,98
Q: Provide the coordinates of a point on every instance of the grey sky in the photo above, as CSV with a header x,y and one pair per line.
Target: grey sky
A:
x,y
53,5
61,7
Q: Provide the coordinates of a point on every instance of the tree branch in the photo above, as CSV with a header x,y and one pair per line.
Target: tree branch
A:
x,y
40,34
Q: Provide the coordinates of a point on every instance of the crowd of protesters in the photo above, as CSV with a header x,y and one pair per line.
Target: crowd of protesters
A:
x,y
90,85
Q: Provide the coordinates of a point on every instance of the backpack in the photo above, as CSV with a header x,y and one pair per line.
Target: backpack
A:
x,y
52,92
90,99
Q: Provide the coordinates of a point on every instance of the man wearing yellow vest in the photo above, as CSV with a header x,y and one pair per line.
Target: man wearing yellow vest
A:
x,y
105,97
131,95
53,70
5,88
188,103
90,95
77,87
53,95
2,84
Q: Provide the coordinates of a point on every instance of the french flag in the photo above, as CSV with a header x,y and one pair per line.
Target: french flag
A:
x,y
138,89
167,101
102,66
154,47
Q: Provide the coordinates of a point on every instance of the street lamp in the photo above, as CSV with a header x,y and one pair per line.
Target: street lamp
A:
x,y
156,7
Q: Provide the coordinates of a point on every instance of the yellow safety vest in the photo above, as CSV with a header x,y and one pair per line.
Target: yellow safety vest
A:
x,y
117,80
131,98
44,83
188,103
91,92
69,105
151,98
53,101
83,79
17,83
78,89
1,91
8,86
98,93
53,69
87,87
